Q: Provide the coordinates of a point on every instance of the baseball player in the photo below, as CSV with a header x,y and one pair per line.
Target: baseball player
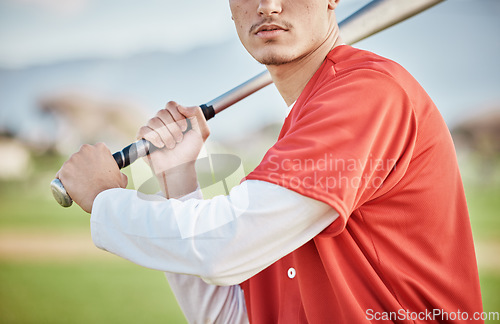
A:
x,y
357,213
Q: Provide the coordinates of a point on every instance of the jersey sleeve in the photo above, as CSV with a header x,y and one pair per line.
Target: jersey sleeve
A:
x,y
347,143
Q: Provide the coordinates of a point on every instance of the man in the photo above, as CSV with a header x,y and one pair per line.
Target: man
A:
x,y
357,213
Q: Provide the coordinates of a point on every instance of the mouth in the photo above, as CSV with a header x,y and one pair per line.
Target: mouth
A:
x,y
269,30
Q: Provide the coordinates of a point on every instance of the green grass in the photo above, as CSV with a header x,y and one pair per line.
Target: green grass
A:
x,y
85,292
484,210
25,208
490,288
28,204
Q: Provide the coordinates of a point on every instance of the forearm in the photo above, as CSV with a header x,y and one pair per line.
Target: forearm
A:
x,y
179,181
224,240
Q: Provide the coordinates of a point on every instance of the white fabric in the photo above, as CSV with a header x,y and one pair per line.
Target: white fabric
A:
x,y
224,240
289,108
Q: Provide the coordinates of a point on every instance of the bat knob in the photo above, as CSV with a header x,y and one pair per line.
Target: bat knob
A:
x,y
60,194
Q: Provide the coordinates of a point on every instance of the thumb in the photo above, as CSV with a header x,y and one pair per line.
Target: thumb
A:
x,y
197,120
189,112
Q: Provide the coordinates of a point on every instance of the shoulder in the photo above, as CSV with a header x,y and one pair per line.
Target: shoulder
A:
x,y
349,66
362,87
358,86
355,73
347,60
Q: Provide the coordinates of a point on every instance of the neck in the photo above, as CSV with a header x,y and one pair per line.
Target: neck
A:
x,y
290,79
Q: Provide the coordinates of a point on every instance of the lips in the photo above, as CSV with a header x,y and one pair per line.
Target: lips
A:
x,y
269,32
269,28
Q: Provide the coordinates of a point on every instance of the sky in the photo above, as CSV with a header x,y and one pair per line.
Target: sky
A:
x,y
452,49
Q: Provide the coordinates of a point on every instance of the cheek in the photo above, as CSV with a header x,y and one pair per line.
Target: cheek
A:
x,y
239,25
237,9
240,19
318,27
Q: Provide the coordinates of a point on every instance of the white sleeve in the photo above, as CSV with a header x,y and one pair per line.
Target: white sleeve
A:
x,y
224,240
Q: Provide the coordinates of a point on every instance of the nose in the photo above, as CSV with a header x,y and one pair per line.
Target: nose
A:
x,y
269,7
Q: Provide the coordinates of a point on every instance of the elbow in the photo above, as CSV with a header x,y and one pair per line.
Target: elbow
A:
x,y
218,273
219,281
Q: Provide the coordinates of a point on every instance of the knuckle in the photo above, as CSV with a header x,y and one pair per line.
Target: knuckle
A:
x,y
171,104
161,113
153,121
158,121
165,117
141,131
102,147
69,162
85,148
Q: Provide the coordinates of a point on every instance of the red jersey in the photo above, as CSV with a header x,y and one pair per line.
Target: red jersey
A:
x,y
366,139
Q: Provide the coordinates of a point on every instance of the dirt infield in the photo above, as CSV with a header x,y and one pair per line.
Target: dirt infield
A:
x,y
44,246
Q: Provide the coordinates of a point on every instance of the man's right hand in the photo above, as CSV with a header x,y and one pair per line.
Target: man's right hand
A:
x,y
179,146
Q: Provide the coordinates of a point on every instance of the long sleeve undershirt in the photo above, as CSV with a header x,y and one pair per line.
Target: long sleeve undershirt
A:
x,y
224,240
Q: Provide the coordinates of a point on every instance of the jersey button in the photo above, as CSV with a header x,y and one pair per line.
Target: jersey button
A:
x,y
291,273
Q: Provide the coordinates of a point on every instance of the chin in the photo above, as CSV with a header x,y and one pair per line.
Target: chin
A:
x,y
275,58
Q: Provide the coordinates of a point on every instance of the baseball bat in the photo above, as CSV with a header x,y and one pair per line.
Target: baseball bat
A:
x,y
370,19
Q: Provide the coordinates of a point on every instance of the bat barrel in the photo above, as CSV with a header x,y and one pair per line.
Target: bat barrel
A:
x,y
378,15
240,92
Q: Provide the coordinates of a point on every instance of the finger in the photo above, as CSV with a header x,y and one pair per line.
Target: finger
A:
x,y
168,120
150,135
180,119
158,126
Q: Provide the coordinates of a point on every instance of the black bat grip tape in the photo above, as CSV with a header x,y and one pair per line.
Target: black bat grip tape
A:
x,y
122,157
208,111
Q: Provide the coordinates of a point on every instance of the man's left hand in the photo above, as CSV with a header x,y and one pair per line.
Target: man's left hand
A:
x,y
89,172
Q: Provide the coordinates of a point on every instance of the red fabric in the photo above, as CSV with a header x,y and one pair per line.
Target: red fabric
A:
x,y
366,139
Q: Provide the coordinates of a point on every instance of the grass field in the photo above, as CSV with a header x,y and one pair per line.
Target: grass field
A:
x,y
84,292
484,209
50,272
